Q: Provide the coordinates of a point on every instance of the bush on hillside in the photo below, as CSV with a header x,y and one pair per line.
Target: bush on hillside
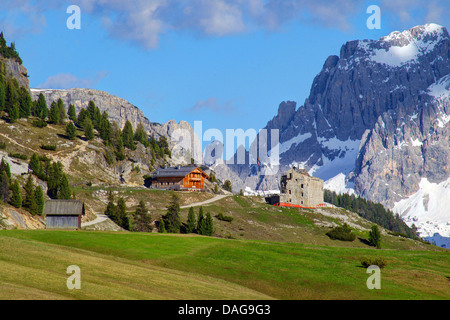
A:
x,y
343,233
378,261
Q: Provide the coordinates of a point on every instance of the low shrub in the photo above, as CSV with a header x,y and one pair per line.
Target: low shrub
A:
x,y
376,261
343,233
18,156
2,145
39,123
50,147
221,217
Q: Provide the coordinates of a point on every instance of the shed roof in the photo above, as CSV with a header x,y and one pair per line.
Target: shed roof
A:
x,y
174,172
64,207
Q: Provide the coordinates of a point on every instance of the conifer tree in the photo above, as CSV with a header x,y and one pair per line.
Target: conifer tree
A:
x,y
41,110
53,114
191,221
29,192
39,198
71,131
34,165
141,135
16,198
122,217
72,113
64,192
172,218
201,223
128,136
25,103
14,112
88,129
4,187
375,237
142,220
4,167
62,112
209,225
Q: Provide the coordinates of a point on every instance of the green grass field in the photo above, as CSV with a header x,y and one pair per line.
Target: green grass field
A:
x,y
152,266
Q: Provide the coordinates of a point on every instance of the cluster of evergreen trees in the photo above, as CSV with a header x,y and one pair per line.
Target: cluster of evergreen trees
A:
x,y
117,212
15,100
202,224
9,52
11,192
371,211
171,221
53,173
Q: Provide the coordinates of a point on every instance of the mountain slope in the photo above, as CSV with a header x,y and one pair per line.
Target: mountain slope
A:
x,y
379,114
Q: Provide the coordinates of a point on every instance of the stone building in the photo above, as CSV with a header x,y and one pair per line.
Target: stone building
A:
x,y
299,189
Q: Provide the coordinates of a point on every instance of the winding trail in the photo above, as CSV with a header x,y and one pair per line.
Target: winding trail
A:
x,y
199,204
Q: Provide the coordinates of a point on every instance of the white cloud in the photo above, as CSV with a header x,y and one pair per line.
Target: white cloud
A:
x,y
68,80
214,105
144,22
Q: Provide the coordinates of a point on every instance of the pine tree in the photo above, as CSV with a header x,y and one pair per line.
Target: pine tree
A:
x,y
39,198
82,115
29,191
4,186
34,165
71,131
88,129
62,112
14,112
72,113
375,237
16,198
191,222
25,103
53,115
65,192
4,167
172,218
142,220
201,223
105,127
141,135
41,110
128,136
122,217
209,225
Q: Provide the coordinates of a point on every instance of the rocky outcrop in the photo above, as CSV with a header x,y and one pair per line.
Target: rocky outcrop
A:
x,y
120,111
376,113
15,70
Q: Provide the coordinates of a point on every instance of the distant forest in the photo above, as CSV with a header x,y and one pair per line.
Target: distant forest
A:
x,y
371,211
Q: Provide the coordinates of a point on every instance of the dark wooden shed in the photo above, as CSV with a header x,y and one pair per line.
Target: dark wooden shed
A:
x,y
63,214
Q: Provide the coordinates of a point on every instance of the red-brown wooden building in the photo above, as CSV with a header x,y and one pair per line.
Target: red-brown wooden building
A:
x,y
179,178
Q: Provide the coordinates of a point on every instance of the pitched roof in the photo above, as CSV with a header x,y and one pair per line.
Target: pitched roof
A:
x,y
174,172
64,207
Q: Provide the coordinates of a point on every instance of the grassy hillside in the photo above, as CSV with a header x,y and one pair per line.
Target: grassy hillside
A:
x,y
153,266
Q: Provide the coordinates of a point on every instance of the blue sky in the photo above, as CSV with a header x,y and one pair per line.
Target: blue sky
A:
x,y
227,63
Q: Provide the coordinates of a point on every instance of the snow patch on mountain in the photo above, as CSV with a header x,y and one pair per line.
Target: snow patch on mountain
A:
x,y
339,185
440,89
429,210
285,146
344,163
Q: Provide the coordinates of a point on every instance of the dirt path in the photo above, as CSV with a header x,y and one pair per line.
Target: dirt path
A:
x,y
100,218
199,204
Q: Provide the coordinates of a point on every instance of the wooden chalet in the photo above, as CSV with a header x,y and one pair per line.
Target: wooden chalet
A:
x,y
63,214
179,178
